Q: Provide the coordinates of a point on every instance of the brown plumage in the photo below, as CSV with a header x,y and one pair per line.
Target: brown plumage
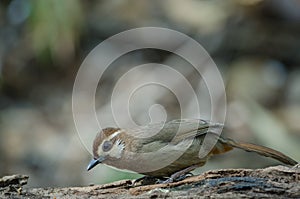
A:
x,y
163,149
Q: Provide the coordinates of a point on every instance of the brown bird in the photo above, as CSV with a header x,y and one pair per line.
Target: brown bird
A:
x,y
169,149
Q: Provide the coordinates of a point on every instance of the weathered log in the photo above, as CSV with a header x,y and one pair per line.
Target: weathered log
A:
x,y
271,182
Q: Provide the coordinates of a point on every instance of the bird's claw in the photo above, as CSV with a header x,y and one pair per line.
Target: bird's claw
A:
x,y
174,179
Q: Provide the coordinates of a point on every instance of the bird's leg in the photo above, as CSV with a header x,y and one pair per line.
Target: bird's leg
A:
x,y
145,180
180,175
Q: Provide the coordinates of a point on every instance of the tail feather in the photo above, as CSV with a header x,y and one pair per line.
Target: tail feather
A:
x,y
264,151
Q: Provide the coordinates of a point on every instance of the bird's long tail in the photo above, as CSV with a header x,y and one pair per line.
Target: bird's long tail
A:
x,y
264,151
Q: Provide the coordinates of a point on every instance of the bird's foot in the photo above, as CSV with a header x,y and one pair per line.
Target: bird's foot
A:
x,y
145,180
175,178
180,175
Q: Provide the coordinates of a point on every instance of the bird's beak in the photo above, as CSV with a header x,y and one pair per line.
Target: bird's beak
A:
x,y
94,162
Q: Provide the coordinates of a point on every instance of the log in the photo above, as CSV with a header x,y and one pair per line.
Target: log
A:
x,y
271,182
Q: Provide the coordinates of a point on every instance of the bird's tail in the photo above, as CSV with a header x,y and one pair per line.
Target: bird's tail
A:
x,y
265,151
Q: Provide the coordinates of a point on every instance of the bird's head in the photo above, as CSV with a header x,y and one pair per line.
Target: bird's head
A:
x,y
107,146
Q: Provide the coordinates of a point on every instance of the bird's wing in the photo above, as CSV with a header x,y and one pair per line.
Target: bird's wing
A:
x,y
174,131
191,128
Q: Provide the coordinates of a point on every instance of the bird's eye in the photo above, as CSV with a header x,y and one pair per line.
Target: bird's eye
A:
x,y
106,146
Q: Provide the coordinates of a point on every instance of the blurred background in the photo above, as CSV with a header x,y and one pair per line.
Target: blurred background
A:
x,y
255,44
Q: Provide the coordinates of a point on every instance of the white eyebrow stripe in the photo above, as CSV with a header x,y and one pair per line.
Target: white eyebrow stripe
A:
x,y
114,135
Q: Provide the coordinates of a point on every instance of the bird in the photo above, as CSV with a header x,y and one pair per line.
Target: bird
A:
x,y
169,149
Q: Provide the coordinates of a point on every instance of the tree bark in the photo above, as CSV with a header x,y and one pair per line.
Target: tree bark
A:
x,y
271,182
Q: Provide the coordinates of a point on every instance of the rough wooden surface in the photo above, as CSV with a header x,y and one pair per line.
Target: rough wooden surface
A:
x,y
271,182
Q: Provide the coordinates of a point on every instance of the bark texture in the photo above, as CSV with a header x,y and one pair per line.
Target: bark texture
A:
x,y
271,182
